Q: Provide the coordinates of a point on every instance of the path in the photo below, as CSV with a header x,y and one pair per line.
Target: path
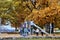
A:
x,y
4,35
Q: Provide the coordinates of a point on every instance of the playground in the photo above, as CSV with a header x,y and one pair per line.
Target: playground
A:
x,y
29,28
26,31
29,20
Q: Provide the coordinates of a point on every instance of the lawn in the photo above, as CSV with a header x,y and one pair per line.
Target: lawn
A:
x,y
31,39
38,39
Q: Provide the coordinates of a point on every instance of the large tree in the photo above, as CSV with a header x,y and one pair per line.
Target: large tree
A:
x,y
45,11
14,10
17,11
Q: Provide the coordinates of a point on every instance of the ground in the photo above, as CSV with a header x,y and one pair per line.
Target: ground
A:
x,y
40,39
6,36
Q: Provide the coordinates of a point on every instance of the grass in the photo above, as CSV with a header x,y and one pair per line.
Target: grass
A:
x,y
57,33
31,39
38,39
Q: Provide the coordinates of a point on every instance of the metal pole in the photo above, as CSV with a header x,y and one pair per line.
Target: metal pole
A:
x,y
50,28
0,21
0,24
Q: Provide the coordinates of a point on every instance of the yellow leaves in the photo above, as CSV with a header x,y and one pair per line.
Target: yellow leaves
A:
x,y
26,9
9,0
16,3
24,3
46,14
58,7
40,16
38,2
59,2
3,8
47,9
7,16
34,11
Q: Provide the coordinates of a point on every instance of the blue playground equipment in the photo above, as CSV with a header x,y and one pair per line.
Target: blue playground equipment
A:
x,y
30,24
7,27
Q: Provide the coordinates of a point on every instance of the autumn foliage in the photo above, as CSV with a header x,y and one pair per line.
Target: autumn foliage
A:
x,y
41,11
46,14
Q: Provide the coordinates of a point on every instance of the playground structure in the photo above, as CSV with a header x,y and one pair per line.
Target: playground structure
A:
x,y
7,27
28,24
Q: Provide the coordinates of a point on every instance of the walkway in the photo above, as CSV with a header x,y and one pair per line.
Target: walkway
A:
x,y
4,35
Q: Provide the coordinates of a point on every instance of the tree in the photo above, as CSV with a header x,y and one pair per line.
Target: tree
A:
x,y
13,10
17,11
48,12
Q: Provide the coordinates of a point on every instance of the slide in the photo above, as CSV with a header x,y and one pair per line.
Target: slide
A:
x,y
41,29
32,23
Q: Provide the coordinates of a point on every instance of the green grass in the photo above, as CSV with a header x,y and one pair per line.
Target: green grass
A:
x,y
57,33
38,39
31,39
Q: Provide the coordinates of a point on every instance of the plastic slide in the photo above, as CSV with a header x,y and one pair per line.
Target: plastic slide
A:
x,y
40,29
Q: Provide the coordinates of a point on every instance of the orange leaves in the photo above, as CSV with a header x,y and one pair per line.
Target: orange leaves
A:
x,y
45,13
39,13
41,16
